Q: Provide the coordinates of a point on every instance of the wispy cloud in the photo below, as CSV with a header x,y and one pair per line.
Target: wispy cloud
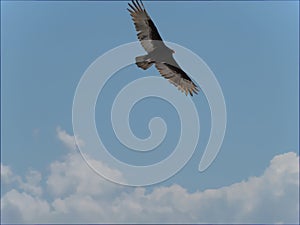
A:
x,y
78,195
7,175
68,140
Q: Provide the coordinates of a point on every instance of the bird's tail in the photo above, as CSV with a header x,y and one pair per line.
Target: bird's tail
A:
x,y
143,62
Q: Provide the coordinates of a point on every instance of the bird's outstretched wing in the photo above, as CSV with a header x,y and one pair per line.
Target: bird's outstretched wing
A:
x,y
151,40
177,77
146,31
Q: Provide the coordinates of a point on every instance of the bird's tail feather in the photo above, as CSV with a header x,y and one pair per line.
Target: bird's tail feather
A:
x,y
143,62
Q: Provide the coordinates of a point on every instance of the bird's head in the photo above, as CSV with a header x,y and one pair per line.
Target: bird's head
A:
x,y
172,51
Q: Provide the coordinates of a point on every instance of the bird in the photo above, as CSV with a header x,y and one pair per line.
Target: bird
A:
x,y
158,53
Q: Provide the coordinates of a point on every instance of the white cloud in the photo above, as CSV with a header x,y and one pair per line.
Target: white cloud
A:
x,y
18,207
79,195
74,176
31,183
68,140
7,175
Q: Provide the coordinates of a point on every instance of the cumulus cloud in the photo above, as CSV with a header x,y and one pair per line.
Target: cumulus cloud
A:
x,y
20,207
270,198
74,176
31,183
76,194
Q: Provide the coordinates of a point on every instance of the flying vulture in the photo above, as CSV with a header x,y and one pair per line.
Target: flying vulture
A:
x,y
158,53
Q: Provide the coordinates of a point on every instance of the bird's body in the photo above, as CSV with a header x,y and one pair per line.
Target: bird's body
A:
x,y
158,53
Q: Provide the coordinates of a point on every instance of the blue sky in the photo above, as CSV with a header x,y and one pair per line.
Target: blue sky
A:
x,y
252,48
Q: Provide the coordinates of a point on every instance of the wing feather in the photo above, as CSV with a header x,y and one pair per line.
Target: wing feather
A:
x,y
177,77
150,39
146,30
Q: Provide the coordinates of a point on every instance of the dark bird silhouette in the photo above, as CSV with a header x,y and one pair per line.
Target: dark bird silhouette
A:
x,y
158,53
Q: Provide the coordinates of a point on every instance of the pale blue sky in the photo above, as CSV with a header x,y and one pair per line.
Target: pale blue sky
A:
x,y
252,47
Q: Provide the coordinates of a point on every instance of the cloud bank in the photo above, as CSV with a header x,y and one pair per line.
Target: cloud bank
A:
x,y
73,193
